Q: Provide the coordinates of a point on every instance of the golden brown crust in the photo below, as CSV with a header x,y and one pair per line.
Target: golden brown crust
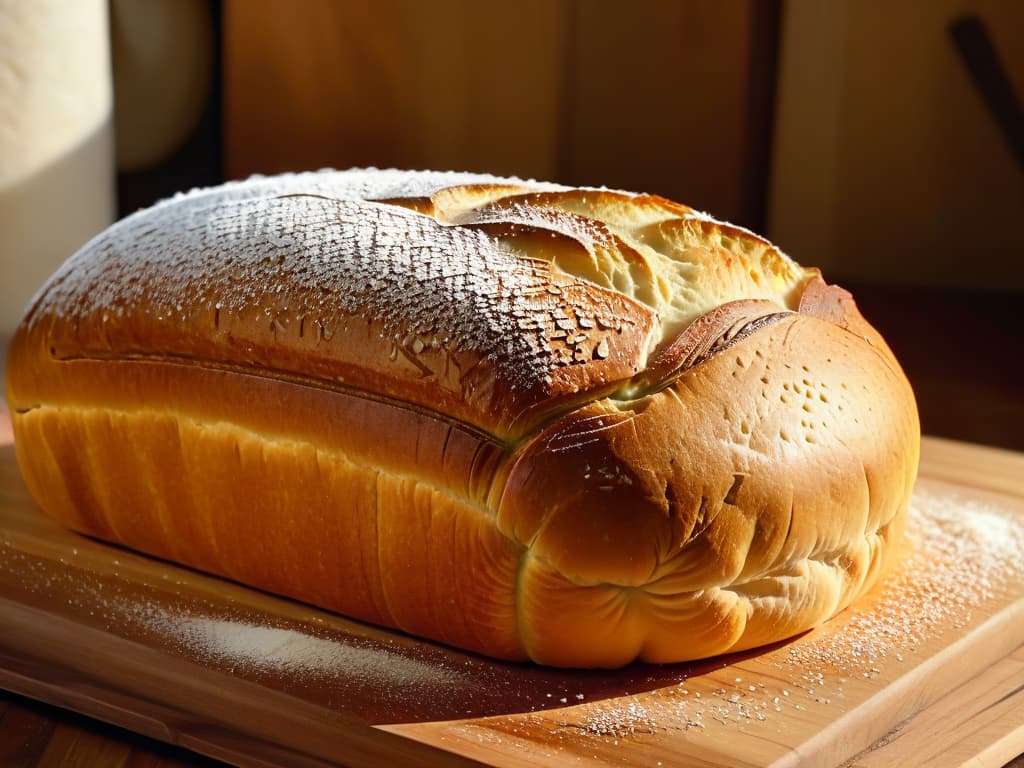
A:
x,y
767,461
325,496
342,291
575,426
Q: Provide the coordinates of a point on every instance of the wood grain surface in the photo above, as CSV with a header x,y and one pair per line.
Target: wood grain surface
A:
x,y
250,678
577,92
33,734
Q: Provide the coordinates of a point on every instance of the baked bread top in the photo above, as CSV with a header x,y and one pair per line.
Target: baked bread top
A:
x,y
493,302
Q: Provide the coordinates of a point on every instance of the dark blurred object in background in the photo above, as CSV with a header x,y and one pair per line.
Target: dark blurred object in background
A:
x,y
888,164
856,134
991,80
167,97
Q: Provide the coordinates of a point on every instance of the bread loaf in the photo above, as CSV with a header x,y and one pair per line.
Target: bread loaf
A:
x,y
577,426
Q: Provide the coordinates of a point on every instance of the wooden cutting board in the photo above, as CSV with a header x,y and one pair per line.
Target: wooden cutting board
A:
x,y
928,669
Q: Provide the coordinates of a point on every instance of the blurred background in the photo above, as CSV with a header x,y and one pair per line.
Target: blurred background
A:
x,y
881,141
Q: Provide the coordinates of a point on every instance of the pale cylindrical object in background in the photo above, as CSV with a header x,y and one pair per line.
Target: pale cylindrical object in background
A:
x,y
56,140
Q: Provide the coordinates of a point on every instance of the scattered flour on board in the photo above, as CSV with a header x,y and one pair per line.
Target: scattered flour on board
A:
x,y
244,647
960,554
263,649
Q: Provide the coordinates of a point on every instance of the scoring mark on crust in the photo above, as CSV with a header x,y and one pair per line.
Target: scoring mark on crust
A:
x,y
708,335
737,483
735,333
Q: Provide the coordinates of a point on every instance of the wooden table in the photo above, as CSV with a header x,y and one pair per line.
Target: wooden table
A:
x,y
36,734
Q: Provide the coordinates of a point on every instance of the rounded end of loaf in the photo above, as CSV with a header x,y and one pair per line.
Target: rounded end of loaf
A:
x,y
755,497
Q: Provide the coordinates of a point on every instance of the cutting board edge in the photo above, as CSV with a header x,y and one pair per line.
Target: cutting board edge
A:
x,y
77,688
1004,633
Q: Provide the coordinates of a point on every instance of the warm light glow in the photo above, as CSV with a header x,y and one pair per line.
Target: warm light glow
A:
x,y
6,433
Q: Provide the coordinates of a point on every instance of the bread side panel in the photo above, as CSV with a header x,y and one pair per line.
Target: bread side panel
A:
x,y
400,439
282,515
